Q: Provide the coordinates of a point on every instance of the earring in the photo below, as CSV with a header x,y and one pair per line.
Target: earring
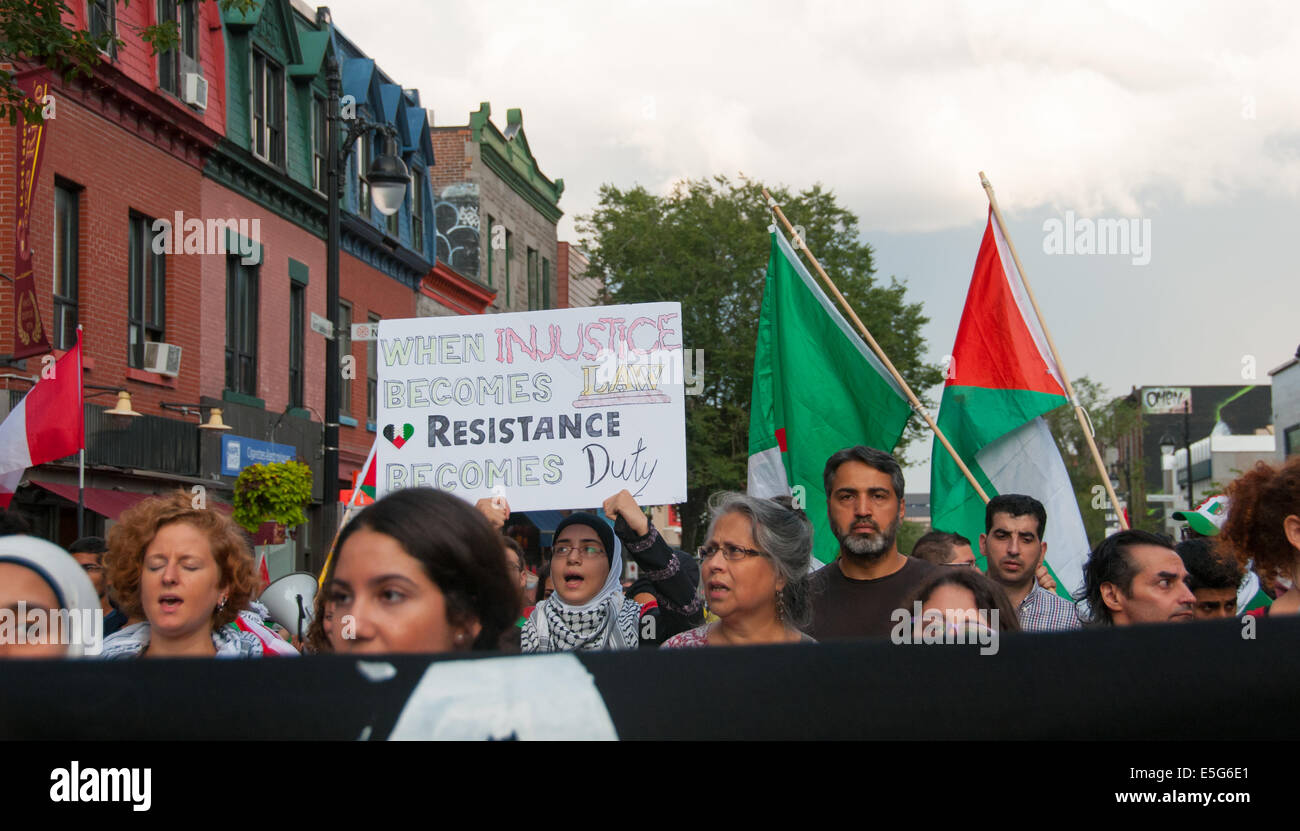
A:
x,y
221,605
780,605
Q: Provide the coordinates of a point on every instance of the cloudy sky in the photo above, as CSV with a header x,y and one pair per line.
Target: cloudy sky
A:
x,y
1184,116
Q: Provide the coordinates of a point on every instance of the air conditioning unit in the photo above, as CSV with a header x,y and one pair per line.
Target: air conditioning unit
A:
x,y
163,358
194,90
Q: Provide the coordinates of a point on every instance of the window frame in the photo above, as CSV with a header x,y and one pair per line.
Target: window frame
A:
x,y
344,334
93,6
363,159
267,117
372,372
319,136
297,343
417,209
66,263
146,290
531,264
241,331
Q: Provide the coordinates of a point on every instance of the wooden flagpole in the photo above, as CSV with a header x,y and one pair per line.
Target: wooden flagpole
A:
x,y
875,347
1079,412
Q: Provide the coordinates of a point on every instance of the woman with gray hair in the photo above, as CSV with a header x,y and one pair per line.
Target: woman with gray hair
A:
x,y
755,569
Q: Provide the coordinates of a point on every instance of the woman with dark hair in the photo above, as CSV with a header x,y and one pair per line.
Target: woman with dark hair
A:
x,y
964,597
755,570
189,573
1264,525
418,571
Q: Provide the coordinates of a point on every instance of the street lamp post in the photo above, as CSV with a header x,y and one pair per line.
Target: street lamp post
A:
x,y
388,179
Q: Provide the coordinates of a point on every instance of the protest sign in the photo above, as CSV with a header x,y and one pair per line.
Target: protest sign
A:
x,y
551,409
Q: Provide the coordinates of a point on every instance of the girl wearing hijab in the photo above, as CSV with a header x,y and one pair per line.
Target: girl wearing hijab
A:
x,y
588,609
45,584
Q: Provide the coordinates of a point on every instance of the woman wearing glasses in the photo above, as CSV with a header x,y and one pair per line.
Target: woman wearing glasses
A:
x,y
588,609
755,568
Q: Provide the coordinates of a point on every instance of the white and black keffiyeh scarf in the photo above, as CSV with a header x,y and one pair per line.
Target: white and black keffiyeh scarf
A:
x,y
608,621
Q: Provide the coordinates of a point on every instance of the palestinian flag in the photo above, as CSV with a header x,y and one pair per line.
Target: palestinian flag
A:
x,y
1001,380
817,389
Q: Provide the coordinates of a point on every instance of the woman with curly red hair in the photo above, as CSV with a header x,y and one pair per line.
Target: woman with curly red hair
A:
x,y
1264,525
189,572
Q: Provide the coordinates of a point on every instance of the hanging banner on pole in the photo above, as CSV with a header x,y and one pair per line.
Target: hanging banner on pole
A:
x,y
551,409
30,337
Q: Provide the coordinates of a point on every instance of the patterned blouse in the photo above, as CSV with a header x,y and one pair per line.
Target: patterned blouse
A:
x,y
699,636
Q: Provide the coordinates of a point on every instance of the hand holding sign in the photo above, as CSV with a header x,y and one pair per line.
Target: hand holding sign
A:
x,y
623,504
496,509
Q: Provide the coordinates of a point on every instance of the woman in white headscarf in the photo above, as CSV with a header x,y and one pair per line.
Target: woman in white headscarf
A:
x,y
52,606
588,609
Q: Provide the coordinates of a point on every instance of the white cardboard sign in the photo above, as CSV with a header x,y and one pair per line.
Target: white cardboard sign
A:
x,y
550,409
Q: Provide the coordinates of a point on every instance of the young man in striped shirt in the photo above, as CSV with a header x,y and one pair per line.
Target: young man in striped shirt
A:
x,y
1013,542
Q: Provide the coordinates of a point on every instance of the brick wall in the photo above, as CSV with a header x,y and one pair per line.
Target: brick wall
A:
x,y
91,152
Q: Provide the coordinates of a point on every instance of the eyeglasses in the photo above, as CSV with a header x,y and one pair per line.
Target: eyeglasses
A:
x,y
729,551
585,552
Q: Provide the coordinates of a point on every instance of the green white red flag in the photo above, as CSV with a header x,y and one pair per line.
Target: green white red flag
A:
x,y
817,389
1001,380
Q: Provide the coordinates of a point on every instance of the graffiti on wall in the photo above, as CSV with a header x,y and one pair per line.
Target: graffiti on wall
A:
x,y
456,214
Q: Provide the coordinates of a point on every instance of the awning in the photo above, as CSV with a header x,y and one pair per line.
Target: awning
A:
x,y
104,502
111,503
547,521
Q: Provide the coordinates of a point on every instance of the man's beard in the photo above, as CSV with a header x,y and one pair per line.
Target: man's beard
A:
x,y
869,548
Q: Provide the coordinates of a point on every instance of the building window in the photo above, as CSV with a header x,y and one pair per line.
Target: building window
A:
x,y
363,170
372,371
267,82
319,135
417,210
297,322
490,237
66,249
533,299
546,283
103,21
146,298
241,326
1291,440
173,63
344,333
510,247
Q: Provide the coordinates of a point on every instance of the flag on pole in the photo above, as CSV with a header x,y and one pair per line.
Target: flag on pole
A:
x,y
47,424
1001,380
817,389
367,488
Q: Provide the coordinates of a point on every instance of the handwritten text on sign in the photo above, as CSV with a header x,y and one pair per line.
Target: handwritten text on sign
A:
x,y
552,409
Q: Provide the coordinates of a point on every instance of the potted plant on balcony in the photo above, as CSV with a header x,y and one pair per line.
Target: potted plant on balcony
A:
x,y
276,492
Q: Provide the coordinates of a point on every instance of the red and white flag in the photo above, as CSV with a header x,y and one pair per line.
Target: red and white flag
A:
x,y
48,424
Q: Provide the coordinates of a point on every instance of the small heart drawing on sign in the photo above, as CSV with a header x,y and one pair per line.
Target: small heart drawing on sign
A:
x,y
390,433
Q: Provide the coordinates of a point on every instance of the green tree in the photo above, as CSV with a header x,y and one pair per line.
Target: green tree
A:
x,y
33,31
1111,418
706,245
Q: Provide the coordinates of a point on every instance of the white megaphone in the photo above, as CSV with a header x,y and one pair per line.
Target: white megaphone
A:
x,y
289,601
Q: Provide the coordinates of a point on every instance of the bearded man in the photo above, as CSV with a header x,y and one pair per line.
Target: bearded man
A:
x,y
857,595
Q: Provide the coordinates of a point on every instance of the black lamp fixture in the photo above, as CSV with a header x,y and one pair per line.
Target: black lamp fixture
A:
x,y
388,177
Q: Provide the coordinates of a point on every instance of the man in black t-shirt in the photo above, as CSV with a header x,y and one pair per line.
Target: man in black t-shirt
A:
x,y
856,596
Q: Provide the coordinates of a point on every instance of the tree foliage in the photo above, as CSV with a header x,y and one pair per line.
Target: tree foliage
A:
x,y
34,31
706,245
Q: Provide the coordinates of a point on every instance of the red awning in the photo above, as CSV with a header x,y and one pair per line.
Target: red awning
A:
x,y
106,503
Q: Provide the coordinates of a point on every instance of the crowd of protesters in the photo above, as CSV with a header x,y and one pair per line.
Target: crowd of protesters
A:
x,y
424,571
